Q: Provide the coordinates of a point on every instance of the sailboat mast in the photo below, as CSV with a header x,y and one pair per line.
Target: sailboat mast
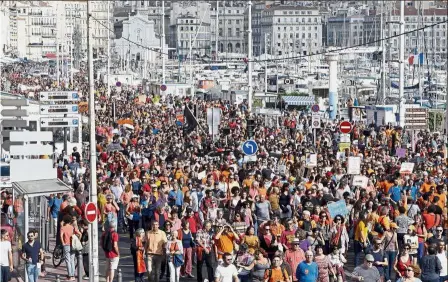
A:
x,y
383,58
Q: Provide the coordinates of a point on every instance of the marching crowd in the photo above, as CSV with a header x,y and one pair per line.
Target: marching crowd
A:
x,y
186,198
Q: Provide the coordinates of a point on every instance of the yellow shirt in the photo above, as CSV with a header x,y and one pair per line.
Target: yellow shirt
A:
x,y
361,232
155,241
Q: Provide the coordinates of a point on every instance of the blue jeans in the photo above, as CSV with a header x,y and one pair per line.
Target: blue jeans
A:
x,y
69,258
31,271
420,251
443,278
390,255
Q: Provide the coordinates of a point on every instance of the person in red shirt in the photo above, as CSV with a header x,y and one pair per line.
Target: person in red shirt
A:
x,y
294,257
112,256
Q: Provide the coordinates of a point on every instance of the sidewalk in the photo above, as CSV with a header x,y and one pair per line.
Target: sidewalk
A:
x,y
52,272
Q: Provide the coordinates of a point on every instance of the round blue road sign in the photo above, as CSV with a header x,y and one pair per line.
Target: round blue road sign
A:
x,y
250,147
315,108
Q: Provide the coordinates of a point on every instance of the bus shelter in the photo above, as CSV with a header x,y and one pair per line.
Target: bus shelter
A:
x,y
31,212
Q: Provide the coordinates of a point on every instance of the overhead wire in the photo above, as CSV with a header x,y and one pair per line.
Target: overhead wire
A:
x,y
293,57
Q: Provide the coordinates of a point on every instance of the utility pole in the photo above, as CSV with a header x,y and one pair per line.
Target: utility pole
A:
x,y
108,49
401,87
249,54
57,53
383,58
93,227
266,63
163,42
71,49
217,31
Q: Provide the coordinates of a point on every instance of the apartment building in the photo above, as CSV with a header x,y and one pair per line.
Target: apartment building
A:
x,y
232,26
366,28
292,30
190,25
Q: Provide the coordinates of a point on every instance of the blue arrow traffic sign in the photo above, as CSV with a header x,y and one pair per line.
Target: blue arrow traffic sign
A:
x,y
250,147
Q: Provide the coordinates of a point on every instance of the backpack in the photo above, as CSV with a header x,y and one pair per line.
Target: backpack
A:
x,y
283,274
108,244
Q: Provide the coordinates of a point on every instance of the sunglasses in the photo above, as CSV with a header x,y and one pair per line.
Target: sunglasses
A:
x,y
267,229
369,261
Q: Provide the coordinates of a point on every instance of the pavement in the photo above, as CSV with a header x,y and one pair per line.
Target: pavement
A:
x,y
125,265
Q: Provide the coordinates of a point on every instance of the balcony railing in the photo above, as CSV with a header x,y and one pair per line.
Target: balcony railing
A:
x,y
35,13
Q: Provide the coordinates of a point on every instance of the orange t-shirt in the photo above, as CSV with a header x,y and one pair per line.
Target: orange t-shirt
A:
x,y
276,274
225,243
308,185
425,188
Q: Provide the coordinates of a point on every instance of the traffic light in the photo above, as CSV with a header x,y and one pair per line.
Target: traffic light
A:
x,y
250,128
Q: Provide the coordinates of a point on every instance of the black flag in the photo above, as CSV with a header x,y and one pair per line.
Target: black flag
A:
x,y
190,121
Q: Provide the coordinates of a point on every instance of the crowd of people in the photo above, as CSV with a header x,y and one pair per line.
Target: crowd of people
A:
x,y
194,203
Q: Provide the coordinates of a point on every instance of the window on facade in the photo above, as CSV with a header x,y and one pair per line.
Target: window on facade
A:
x,y
229,21
237,32
309,12
278,20
284,28
278,28
285,12
237,21
279,44
229,32
309,20
191,28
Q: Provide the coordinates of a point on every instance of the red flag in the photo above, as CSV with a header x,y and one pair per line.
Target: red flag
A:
x,y
411,59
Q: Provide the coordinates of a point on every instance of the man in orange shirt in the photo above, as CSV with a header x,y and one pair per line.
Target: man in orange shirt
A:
x,y
426,186
224,241
276,273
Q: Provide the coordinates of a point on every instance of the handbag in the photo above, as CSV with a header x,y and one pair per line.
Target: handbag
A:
x,y
178,259
76,243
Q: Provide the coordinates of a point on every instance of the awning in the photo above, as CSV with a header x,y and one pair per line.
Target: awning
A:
x,y
299,100
40,187
50,55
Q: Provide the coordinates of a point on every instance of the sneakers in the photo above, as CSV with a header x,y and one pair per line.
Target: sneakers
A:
x,y
85,277
190,275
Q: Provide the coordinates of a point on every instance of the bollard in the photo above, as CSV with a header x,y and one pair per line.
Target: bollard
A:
x,y
47,232
52,228
57,278
120,275
44,234
80,266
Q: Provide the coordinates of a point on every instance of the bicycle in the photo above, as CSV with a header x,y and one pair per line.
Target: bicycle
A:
x,y
58,256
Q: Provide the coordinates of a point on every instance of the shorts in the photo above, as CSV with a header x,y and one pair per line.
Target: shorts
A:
x,y
112,263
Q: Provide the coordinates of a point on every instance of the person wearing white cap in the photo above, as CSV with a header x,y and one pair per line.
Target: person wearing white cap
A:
x,y
294,256
366,272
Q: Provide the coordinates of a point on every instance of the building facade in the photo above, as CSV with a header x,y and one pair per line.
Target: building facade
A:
x,y
366,29
232,35
138,45
292,30
190,25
